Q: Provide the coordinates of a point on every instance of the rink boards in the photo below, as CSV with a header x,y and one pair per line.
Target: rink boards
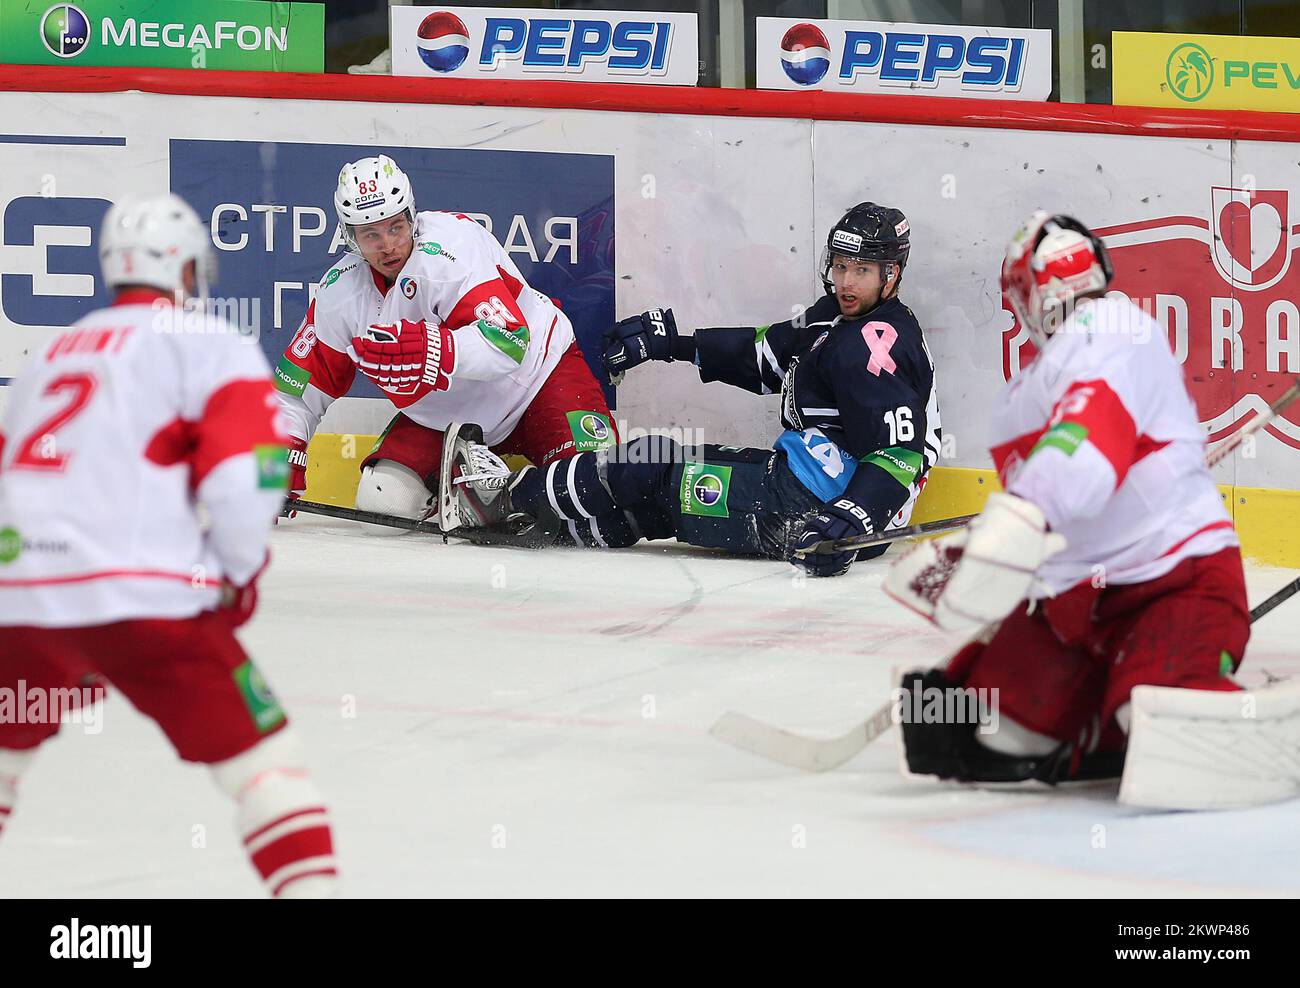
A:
x,y
716,199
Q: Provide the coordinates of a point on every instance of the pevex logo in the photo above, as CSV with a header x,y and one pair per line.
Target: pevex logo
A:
x,y
1189,72
1224,290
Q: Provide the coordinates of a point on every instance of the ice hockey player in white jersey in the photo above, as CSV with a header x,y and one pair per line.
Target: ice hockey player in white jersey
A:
x,y
117,434
431,308
1107,579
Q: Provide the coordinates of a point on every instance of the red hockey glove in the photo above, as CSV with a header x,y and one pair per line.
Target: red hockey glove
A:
x,y
407,360
297,468
238,603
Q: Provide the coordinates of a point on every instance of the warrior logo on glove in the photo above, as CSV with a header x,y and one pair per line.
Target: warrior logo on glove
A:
x,y
407,360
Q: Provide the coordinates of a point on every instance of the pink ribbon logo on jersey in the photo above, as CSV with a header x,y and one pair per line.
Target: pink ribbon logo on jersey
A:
x,y
880,337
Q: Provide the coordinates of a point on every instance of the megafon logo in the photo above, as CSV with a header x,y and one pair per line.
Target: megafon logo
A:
x,y
443,41
65,30
1225,291
708,490
805,54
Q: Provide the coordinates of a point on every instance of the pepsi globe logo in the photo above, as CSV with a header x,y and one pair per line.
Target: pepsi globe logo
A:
x,y
708,489
595,427
443,41
65,30
805,54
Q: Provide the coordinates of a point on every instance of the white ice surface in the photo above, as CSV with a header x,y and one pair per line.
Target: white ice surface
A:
x,y
534,723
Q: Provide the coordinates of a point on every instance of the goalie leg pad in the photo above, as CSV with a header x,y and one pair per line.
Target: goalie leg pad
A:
x,y
1203,749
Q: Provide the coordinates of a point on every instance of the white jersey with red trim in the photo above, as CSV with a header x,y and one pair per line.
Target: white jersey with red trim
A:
x,y
113,436
493,340
1100,432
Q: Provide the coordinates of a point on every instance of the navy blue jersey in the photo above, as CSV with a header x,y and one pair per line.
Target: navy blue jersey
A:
x,y
857,399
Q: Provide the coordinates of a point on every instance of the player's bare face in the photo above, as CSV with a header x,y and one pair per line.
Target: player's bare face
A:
x,y
386,244
858,285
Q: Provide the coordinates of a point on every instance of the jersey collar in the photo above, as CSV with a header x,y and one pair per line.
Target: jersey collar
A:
x,y
142,296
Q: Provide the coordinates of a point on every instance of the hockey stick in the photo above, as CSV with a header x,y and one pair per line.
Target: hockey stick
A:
x,y
1213,458
814,754
1217,455
937,527
479,536
1286,593
821,754
354,514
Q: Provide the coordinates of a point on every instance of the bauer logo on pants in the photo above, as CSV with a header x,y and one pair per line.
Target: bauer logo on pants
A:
x,y
1222,286
704,490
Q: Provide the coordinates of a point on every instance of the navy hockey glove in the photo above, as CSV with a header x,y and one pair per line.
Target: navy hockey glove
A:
x,y
650,336
840,519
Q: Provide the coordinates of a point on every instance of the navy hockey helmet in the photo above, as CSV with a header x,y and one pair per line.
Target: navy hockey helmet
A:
x,y
868,232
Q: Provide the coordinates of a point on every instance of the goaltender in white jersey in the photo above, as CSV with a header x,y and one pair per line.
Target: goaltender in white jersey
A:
x,y
1107,578
1100,432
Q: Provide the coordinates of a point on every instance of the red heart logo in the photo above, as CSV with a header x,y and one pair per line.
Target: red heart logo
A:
x,y
1250,233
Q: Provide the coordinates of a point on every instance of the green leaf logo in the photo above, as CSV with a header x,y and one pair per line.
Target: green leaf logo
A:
x,y
1189,72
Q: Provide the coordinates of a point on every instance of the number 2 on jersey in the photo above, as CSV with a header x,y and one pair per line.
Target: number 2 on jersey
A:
x,y
40,451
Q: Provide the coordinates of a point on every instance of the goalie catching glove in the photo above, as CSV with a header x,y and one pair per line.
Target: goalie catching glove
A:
x,y
976,576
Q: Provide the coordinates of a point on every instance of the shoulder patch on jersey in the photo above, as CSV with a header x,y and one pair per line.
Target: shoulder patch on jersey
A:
x,y
514,344
290,378
904,465
1065,436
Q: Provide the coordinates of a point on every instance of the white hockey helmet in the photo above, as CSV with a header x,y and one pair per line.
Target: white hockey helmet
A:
x,y
149,241
370,190
1052,262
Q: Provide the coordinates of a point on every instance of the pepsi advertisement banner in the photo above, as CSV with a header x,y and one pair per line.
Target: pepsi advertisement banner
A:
x,y
270,209
902,59
644,47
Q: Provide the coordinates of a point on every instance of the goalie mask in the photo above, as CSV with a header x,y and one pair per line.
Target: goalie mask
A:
x,y
371,190
1051,263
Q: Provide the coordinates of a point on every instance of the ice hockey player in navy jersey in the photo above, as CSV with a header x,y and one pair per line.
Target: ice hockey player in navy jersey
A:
x,y
857,402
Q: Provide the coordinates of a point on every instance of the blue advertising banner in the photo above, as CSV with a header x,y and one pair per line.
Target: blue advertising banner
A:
x,y
271,211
